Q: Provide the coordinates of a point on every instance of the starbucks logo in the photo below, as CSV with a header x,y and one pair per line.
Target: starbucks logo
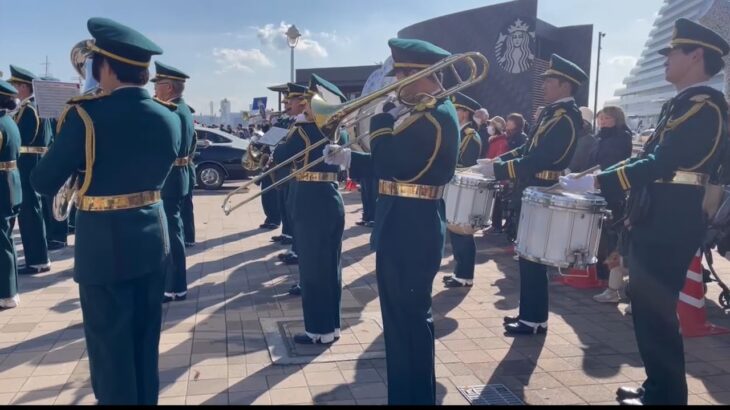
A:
x,y
514,48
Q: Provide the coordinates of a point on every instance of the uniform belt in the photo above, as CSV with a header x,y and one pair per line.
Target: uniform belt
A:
x,y
549,175
33,150
687,178
317,177
182,162
8,166
118,202
414,191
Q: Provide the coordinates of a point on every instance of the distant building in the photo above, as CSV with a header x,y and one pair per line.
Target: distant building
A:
x,y
225,110
646,88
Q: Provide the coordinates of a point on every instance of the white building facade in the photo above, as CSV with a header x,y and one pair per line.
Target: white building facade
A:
x,y
646,90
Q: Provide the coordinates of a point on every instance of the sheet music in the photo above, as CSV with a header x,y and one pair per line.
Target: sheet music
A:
x,y
51,96
273,136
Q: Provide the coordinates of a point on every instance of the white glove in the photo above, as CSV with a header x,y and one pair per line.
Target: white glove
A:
x,y
581,185
484,167
336,155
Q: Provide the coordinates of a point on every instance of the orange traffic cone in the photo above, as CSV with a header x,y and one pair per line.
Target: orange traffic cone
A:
x,y
350,186
582,278
691,308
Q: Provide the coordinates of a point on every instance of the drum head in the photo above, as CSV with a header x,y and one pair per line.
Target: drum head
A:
x,y
563,199
471,180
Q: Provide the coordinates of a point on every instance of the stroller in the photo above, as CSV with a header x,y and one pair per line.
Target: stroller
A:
x,y
718,236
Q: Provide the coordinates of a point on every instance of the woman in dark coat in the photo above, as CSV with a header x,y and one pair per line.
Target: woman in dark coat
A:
x,y
614,145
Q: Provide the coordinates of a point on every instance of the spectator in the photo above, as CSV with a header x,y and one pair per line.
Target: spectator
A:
x,y
498,146
614,145
585,142
515,130
481,120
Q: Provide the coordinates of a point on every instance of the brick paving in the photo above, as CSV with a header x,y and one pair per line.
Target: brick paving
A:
x,y
214,350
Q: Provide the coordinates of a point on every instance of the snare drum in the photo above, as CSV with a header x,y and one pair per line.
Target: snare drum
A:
x,y
560,229
469,203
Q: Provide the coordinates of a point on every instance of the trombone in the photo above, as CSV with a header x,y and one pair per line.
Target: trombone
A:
x,y
328,117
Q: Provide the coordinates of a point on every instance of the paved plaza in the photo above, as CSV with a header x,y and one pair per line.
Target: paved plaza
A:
x,y
229,342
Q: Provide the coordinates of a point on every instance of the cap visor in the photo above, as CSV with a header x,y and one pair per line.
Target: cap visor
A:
x,y
665,51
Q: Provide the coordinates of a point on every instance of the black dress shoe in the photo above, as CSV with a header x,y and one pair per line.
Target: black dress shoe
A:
x,y
268,226
277,238
631,402
283,255
56,245
286,241
295,290
625,392
303,339
167,299
360,223
27,270
520,328
189,244
370,224
291,260
453,283
446,278
511,319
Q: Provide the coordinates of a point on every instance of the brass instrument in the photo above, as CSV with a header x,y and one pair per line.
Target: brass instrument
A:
x,y
329,117
81,62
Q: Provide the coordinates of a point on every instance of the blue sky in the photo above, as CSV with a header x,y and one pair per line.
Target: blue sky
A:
x,y
232,48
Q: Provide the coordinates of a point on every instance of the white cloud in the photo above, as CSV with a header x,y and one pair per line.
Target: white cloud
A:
x,y
274,37
335,38
622,61
234,59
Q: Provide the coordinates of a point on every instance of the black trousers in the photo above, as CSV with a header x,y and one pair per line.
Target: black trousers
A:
x,y
188,217
176,278
497,213
32,227
658,273
8,260
533,292
270,203
465,250
369,194
122,324
286,226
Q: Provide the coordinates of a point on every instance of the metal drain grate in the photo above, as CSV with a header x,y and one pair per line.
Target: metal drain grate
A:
x,y
490,395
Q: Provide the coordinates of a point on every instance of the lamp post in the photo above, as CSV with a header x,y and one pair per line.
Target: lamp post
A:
x,y
601,35
292,37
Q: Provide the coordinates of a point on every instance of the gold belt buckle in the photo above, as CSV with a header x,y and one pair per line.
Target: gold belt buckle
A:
x,y
33,150
549,175
317,177
182,162
687,178
413,191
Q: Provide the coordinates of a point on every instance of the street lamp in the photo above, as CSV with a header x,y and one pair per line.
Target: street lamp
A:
x,y
601,35
292,37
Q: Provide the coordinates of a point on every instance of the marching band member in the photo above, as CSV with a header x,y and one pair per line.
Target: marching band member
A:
x,y
35,136
10,196
414,157
126,143
540,162
464,247
319,221
667,185
270,200
169,87
187,212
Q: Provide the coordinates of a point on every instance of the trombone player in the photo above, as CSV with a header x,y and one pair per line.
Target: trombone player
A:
x,y
319,221
122,243
414,159
169,87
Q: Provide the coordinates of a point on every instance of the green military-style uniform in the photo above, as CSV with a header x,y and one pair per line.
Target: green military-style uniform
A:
x,y
667,185
187,213
35,137
10,195
286,190
464,246
540,162
319,221
414,158
270,200
122,242
177,186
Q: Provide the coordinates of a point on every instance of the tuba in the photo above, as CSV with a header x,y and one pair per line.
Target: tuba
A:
x,y
81,62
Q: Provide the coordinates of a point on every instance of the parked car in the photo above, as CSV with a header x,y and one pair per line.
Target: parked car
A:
x,y
218,157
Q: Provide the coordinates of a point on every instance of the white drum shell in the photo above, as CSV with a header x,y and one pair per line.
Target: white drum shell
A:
x,y
469,202
560,229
